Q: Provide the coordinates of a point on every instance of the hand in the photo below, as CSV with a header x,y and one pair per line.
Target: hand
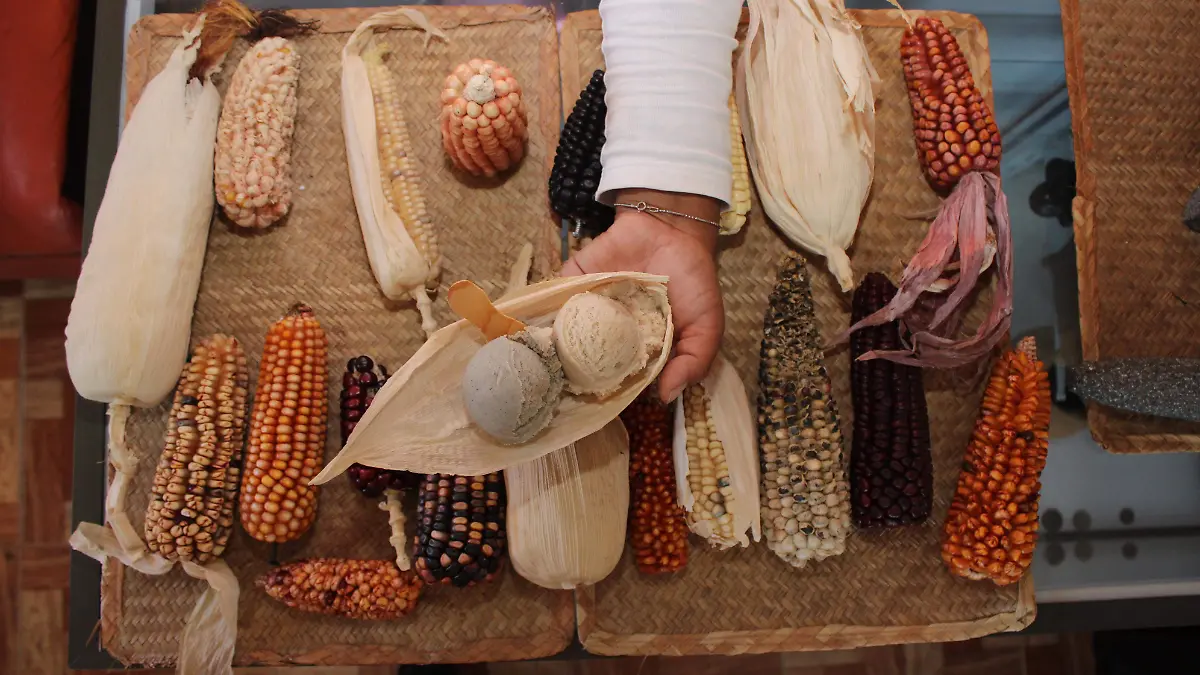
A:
x,y
680,249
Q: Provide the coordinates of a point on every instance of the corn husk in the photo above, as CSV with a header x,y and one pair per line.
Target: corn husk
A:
x,y
567,511
418,421
805,91
732,416
127,334
399,268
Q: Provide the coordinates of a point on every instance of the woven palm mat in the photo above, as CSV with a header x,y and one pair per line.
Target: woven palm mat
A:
x,y
318,256
1135,112
888,587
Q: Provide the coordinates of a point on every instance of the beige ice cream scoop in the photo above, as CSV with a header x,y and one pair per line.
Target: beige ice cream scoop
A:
x,y
512,385
599,343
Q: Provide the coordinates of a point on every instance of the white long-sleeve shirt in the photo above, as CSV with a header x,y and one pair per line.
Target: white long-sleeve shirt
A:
x,y
668,77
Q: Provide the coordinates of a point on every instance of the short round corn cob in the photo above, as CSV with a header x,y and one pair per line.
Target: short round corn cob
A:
x,y
401,181
254,137
805,498
658,529
190,515
992,525
359,386
287,431
952,122
354,589
891,466
460,537
483,118
576,172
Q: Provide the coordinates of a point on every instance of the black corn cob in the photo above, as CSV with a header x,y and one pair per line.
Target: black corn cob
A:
x,y
359,386
460,536
891,467
576,172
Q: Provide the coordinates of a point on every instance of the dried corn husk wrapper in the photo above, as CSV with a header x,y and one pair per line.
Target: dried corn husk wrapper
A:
x,y
805,92
398,265
127,334
567,511
731,482
419,423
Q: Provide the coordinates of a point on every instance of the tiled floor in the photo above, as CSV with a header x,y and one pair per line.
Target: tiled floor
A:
x,y
36,415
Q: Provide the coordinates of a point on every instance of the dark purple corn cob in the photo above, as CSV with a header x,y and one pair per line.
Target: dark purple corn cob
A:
x,y
460,530
576,172
359,386
891,468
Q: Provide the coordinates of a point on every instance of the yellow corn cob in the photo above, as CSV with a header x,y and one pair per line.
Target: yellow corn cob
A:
x,y
708,475
191,508
733,219
354,589
287,431
992,524
399,176
254,138
483,118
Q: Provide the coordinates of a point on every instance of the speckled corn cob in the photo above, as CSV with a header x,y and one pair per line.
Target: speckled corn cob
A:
x,y
195,486
658,529
252,163
460,535
891,465
733,219
952,123
353,589
576,172
401,181
708,469
992,525
287,430
805,497
483,118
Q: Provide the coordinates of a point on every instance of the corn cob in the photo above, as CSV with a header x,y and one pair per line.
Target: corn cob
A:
x,y
952,123
287,432
576,172
733,219
254,138
891,467
483,118
359,386
805,498
460,538
658,529
709,480
398,171
992,525
353,589
191,508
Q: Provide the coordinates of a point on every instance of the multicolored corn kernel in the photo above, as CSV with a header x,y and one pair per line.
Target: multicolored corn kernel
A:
x,y
352,589
460,530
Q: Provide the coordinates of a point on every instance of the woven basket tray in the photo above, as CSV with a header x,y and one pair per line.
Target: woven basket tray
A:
x,y
1135,113
317,255
888,587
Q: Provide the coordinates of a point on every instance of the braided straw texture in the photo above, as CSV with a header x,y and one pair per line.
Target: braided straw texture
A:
x,y
317,256
888,587
1135,113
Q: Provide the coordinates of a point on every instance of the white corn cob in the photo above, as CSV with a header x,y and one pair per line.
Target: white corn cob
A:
x,y
733,219
398,171
708,475
483,118
254,138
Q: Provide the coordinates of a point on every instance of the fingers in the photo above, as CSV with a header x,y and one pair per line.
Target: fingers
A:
x,y
694,353
571,268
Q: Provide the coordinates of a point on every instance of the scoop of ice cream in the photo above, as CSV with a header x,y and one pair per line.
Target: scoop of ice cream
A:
x,y
512,385
598,342
651,322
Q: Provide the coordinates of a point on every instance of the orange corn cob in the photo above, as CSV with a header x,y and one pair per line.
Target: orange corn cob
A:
x,y
354,589
287,430
658,527
952,122
483,118
992,525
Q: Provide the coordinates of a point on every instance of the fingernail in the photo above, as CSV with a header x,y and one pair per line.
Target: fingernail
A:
x,y
674,394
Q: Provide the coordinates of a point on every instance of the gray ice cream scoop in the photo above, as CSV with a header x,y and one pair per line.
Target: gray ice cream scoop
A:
x,y
512,386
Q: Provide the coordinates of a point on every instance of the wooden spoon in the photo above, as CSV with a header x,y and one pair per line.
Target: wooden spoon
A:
x,y
471,303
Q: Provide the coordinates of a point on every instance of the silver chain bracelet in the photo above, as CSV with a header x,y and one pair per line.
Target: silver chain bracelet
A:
x,y
643,207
